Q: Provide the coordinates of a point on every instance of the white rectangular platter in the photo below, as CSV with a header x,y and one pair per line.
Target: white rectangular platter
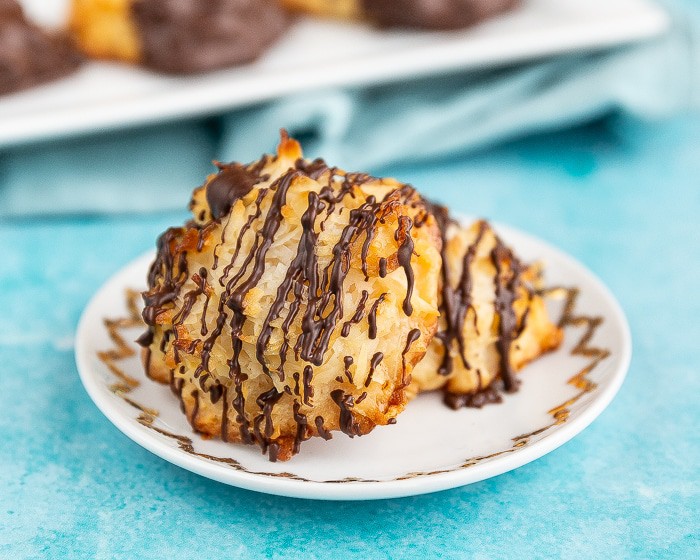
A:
x,y
314,54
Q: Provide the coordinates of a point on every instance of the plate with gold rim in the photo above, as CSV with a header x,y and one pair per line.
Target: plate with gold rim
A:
x,y
430,448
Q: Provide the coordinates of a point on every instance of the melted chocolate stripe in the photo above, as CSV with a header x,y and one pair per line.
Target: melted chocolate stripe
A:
x,y
413,335
254,216
325,310
457,301
224,415
171,276
348,361
372,316
321,429
238,401
376,360
266,402
357,316
302,427
233,299
267,235
404,254
346,420
302,270
506,293
308,388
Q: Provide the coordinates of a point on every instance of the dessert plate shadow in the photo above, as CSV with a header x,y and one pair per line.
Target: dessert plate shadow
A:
x,y
430,448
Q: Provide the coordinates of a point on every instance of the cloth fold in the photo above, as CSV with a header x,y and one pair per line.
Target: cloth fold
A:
x,y
364,129
437,117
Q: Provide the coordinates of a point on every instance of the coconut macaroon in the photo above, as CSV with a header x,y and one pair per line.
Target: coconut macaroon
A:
x,y
493,320
295,303
177,36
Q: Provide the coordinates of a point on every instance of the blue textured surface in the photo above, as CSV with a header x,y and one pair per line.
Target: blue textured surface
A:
x,y
622,197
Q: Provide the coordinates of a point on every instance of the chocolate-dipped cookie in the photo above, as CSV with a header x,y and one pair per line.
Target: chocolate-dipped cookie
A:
x,y
419,14
177,36
30,55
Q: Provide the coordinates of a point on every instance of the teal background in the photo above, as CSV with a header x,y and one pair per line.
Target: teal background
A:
x,y
621,196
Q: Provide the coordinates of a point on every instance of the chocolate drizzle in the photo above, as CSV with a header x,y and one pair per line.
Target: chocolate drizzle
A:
x,y
172,274
321,429
266,402
347,422
302,272
348,361
372,317
507,281
324,290
357,316
324,310
456,302
233,181
487,395
302,427
404,254
413,335
314,169
382,267
262,193
308,301
308,388
374,362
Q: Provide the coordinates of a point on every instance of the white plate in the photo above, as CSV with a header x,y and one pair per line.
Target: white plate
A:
x,y
315,54
430,448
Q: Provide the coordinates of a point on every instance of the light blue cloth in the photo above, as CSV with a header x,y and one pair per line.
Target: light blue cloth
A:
x,y
364,129
142,170
361,129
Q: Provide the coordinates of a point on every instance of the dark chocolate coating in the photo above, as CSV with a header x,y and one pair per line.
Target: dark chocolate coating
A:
x,y
10,9
233,181
189,36
29,55
433,14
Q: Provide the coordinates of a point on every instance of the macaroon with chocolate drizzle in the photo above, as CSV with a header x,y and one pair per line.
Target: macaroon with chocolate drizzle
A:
x,y
493,319
295,303
177,36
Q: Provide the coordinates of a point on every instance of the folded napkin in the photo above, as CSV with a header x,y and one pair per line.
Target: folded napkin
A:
x,y
364,129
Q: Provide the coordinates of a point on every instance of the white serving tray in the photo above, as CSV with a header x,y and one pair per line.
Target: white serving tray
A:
x,y
314,54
